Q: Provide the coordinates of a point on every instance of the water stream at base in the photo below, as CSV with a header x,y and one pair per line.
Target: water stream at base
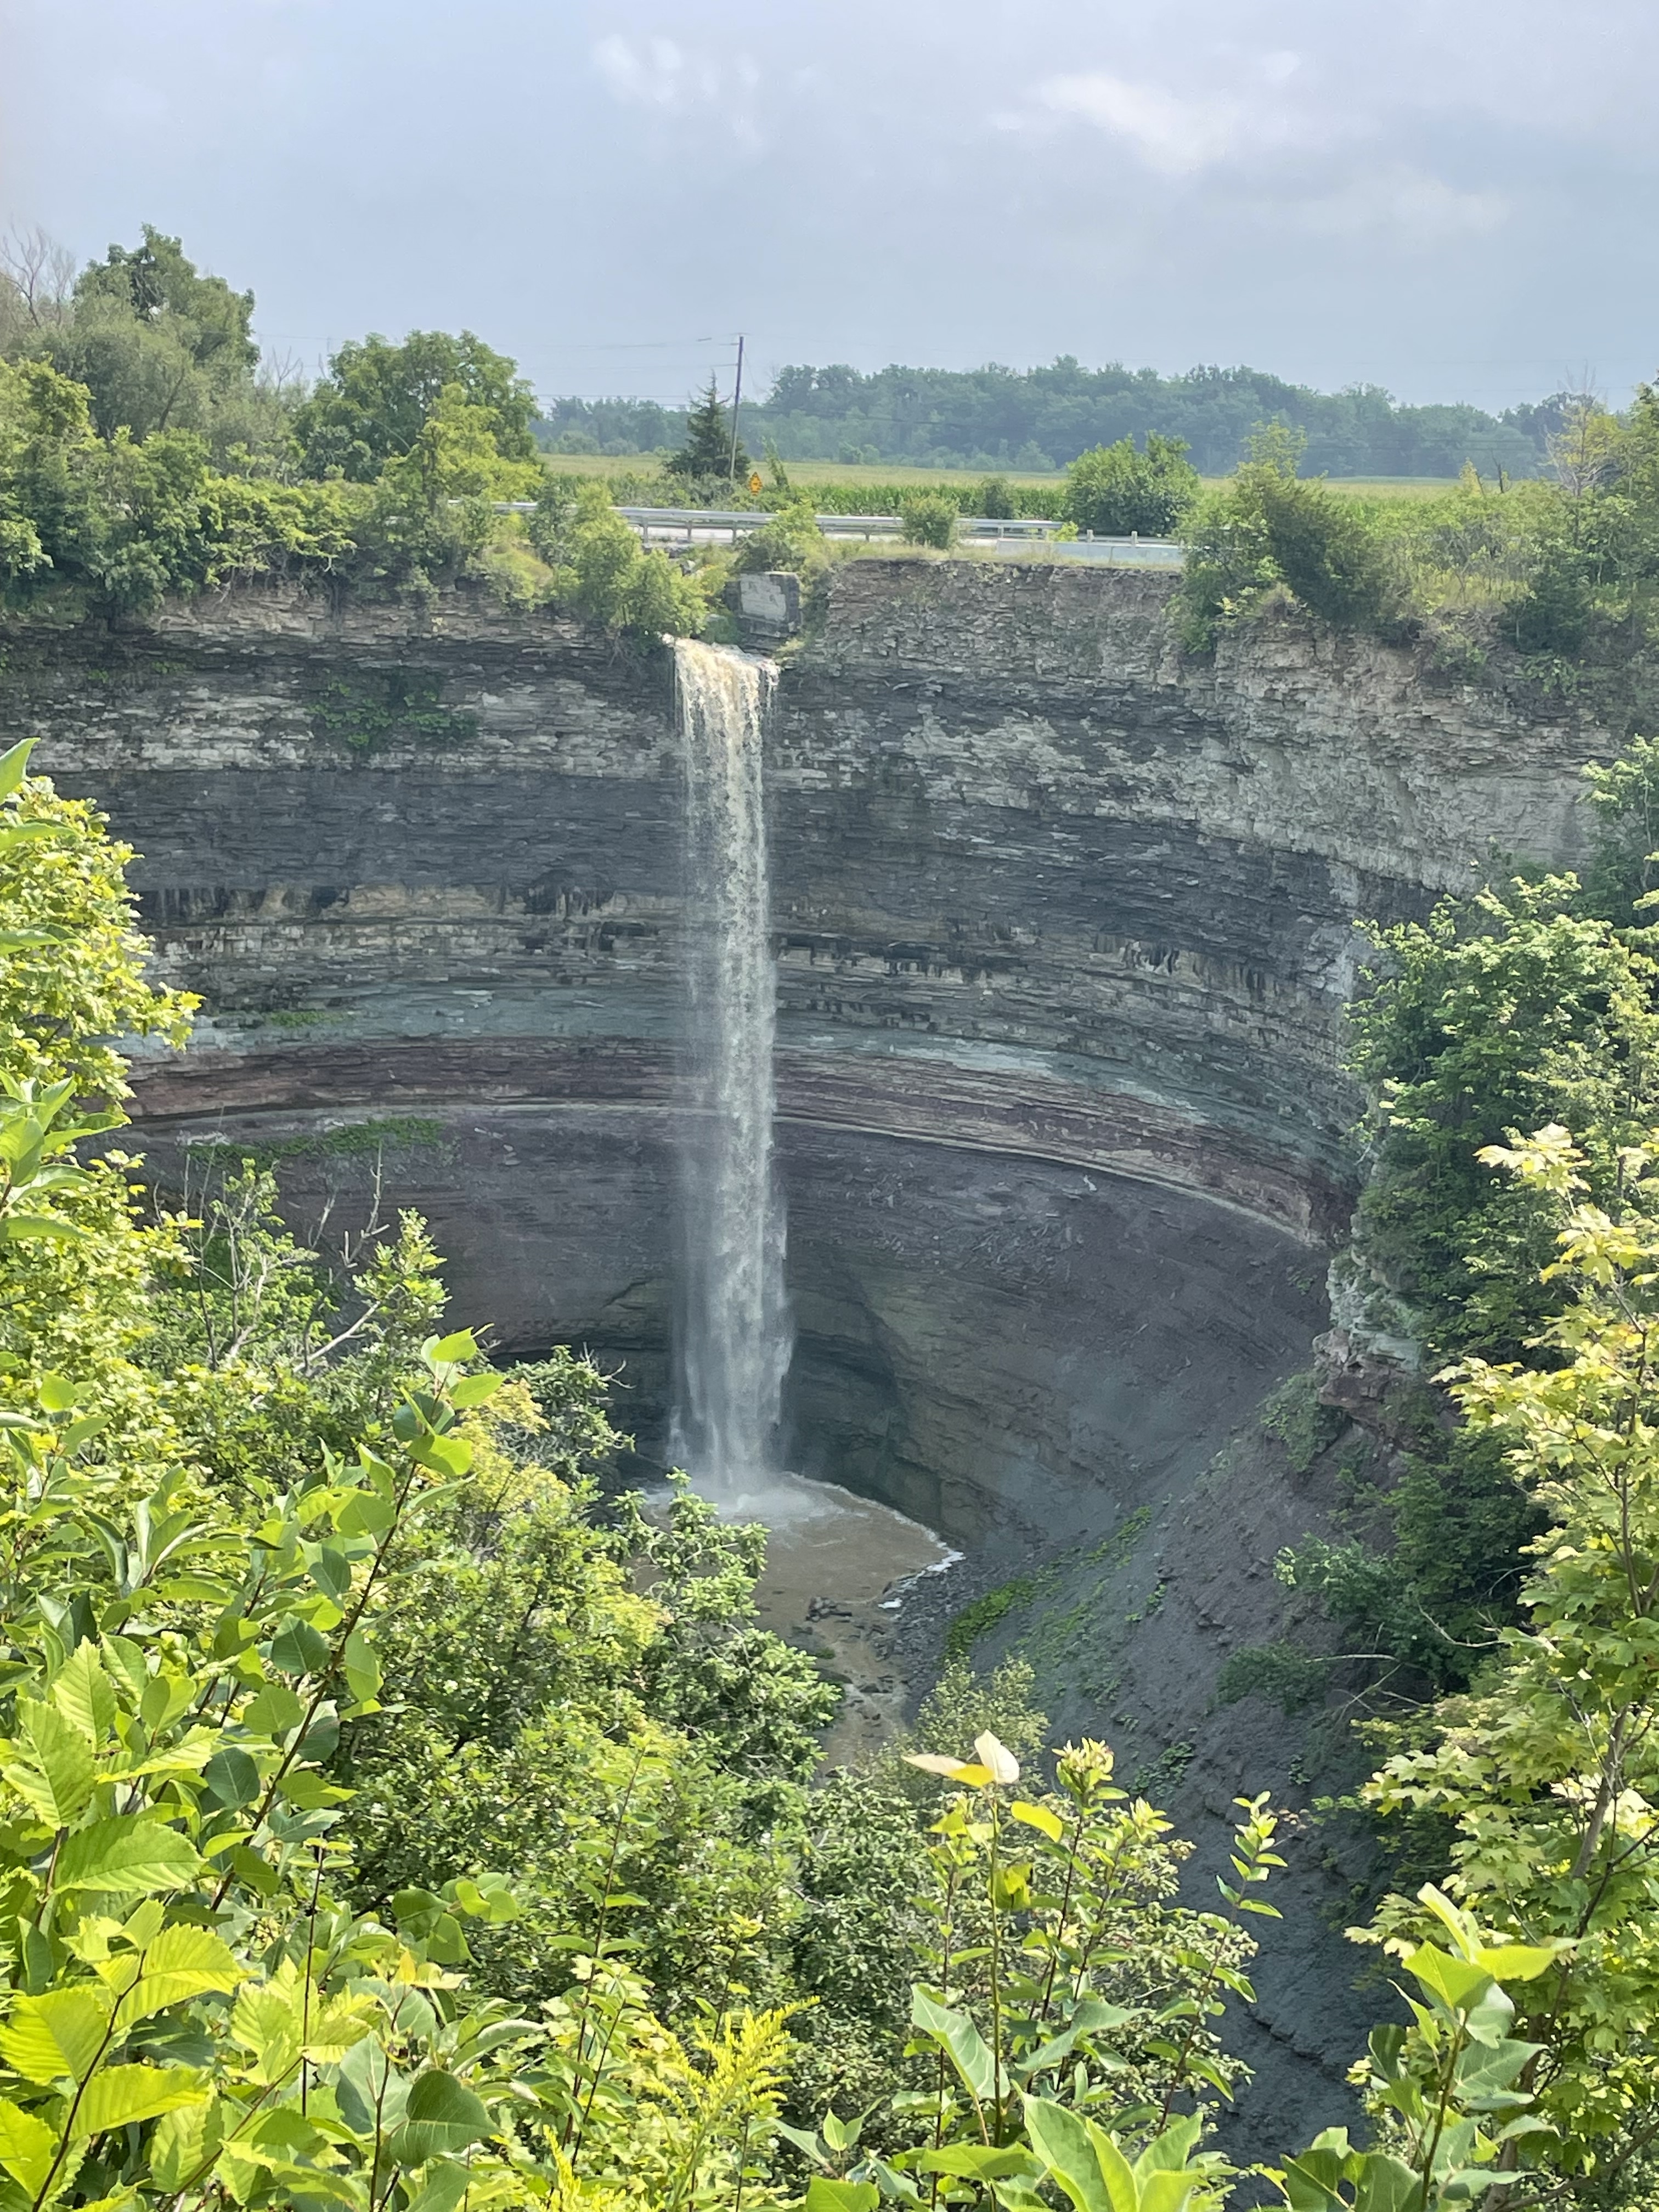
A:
x,y
836,1565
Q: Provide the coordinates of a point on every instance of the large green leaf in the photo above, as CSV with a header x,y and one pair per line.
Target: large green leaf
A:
x,y
27,2145
15,765
117,2095
443,2189
298,1648
182,1962
127,1857
184,2143
1385,2185
1082,2161
1454,1981
51,1765
231,1776
824,2195
442,2115
83,1693
956,2034
59,2033
977,2161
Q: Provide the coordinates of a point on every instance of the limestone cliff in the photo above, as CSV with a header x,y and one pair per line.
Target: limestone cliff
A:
x,y
1065,925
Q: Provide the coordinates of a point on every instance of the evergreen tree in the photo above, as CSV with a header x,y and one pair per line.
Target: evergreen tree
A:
x,y
706,452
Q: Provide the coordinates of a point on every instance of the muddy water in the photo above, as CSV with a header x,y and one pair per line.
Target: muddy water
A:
x,y
837,1568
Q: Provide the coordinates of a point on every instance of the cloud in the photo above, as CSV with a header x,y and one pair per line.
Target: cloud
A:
x,y
1408,203
1178,137
660,73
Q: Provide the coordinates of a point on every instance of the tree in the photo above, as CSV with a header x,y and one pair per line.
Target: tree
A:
x,y
708,453
377,398
161,347
1115,491
1270,527
1548,1772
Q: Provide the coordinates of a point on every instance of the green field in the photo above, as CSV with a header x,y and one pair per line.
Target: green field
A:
x,y
842,476
827,472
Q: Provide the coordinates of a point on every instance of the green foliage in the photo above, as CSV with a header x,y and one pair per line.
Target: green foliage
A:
x,y
927,519
1116,491
792,540
601,571
124,523
1040,418
366,712
987,1612
1499,1012
1595,572
1450,2094
1270,529
259,1532
995,499
159,347
1545,1770
708,455
368,1139
1283,1671
1302,1424
377,403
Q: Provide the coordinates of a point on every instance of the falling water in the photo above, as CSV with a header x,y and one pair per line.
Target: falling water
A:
x,y
734,1322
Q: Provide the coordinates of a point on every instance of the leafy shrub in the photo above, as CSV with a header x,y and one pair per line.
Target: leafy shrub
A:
x,y
601,572
1116,491
792,541
995,500
1285,1672
1269,529
929,518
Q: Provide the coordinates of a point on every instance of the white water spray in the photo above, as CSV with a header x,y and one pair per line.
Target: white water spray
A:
x,y
734,1323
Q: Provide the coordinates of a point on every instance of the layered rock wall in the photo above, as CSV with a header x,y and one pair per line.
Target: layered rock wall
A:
x,y
1065,928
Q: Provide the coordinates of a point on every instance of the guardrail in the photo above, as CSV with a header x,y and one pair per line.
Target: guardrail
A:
x,y
688,526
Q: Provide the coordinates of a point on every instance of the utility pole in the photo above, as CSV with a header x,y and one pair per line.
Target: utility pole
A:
x,y
737,401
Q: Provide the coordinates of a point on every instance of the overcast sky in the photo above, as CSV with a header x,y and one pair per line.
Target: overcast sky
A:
x,y
1456,198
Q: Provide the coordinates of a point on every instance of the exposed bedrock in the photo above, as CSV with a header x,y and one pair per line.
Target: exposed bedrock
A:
x,y
1065,926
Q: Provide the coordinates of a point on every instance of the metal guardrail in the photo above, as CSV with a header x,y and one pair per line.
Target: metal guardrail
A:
x,y
997,533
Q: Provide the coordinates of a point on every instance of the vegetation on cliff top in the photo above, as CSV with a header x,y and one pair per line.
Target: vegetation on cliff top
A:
x,y
145,451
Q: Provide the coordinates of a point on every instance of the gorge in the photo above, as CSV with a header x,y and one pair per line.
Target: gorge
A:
x,y
1063,924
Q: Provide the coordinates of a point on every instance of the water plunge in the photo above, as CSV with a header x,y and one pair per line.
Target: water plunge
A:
x,y
834,1561
734,1331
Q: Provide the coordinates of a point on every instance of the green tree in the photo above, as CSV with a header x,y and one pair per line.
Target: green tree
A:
x,y
1546,1771
377,398
1270,528
160,347
1498,1013
707,456
1116,491
604,574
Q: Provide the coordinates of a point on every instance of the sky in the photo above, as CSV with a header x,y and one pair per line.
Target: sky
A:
x,y
1458,199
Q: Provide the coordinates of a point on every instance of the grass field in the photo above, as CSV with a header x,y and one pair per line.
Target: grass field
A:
x,y
847,474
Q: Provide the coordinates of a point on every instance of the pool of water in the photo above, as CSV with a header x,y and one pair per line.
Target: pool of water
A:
x,y
837,1571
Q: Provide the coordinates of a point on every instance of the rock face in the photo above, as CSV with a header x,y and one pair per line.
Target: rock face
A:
x,y
1065,927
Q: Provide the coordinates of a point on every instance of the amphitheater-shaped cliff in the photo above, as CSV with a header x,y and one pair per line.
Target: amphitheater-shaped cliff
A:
x,y
1065,927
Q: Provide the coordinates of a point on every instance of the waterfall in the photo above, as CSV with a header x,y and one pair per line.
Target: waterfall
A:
x,y
734,1335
